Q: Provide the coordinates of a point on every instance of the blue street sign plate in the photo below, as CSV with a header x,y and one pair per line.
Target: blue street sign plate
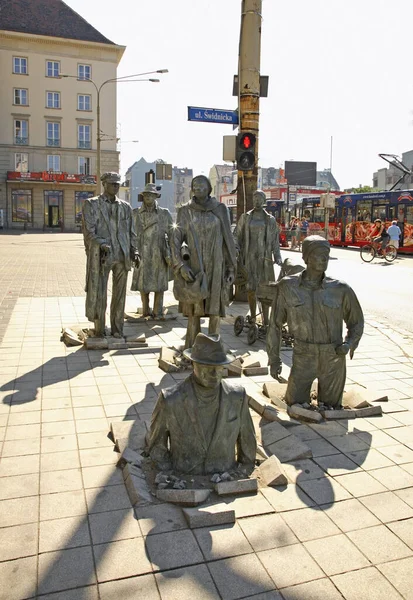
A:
x,y
212,115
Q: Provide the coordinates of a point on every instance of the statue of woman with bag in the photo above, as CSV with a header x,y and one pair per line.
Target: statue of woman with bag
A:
x,y
204,272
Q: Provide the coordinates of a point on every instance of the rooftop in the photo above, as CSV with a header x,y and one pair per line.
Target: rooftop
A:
x,y
47,17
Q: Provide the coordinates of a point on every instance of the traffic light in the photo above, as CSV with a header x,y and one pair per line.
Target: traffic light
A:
x,y
246,151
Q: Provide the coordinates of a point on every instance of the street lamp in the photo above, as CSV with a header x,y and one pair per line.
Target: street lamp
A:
x,y
124,79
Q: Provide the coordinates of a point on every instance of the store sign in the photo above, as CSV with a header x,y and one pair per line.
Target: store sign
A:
x,y
51,177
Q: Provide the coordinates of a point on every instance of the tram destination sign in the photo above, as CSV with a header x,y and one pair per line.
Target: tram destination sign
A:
x,y
212,115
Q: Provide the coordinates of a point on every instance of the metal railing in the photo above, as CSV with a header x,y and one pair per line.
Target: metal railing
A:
x,y
21,141
53,142
84,144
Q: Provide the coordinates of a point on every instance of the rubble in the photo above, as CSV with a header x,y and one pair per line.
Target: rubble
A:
x,y
272,472
184,497
302,414
207,516
240,486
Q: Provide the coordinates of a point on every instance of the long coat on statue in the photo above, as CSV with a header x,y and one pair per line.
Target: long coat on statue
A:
x,y
209,224
152,226
177,439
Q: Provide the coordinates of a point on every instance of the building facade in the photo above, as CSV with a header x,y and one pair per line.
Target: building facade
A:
x,y
50,59
182,185
384,179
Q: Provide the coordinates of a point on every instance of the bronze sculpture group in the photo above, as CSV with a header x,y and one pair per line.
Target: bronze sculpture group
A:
x,y
203,425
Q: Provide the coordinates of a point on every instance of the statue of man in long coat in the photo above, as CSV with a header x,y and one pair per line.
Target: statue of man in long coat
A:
x,y
203,224
258,240
153,227
110,244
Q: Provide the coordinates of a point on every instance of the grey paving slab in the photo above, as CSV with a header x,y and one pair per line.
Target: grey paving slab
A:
x,y
18,578
248,506
122,558
290,565
314,590
360,484
240,577
222,541
325,490
85,593
379,544
61,505
393,478
399,573
130,589
403,530
60,534
290,497
387,507
112,497
65,569
350,515
336,554
309,524
160,518
173,549
365,584
18,541
191,582
114,525
267,531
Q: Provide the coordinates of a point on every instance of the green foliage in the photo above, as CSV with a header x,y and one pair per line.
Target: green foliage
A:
x,y
363,189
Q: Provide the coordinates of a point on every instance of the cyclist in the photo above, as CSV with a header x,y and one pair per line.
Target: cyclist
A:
x,y
379,234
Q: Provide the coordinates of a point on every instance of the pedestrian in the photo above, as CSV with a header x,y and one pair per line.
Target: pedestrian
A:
x,y
304,228
394,232
293,229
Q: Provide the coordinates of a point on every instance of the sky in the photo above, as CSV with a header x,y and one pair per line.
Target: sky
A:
x,y
336,69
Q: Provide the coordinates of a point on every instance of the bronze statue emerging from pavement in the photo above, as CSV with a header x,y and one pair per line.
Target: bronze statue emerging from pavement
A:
x,y
202,281
203,424
153,226
315,306
110,243
258,240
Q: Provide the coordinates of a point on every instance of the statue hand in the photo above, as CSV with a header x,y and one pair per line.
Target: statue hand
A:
x,y
343,349
187,273
136,258
105,247
230,276
275,369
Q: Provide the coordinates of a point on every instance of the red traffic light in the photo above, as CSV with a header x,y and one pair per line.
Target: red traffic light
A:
x,y
247,140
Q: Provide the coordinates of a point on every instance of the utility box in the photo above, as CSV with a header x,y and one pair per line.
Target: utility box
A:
x,y
229,148
327,201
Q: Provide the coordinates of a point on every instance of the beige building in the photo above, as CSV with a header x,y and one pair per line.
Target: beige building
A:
x,y
48,122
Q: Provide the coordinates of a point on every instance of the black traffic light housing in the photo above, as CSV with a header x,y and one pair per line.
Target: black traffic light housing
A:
x,y
246,151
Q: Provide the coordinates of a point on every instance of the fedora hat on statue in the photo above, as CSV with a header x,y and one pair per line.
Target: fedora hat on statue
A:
x,y
208,350
151,188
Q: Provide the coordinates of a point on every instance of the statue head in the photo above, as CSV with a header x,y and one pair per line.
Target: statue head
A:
x,y
201,187
111,182
316,253
208,358
259,199
150,194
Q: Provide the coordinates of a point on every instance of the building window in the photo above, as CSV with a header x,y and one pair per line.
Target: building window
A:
x,y
53,163
80,197
20,97
21,162
52,99
21,132
84,71
83,165
53,208
21,206
84,136
84,102
52,68
19,65
53,133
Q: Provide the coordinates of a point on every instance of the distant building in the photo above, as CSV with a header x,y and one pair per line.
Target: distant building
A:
x,y
174,192
182,184
385,178
48,123
222,178
326,179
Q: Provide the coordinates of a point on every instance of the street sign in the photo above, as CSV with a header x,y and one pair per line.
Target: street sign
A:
x,y
212,115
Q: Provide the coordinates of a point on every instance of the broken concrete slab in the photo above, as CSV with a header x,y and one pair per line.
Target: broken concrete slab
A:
x,y
272,472
70,337
357,396
240,486
344,413
271,413
303,414
255,371
274,389
167,366
256,402
235,368
138,490
369,411
273,432
183,497
289,448
207,516
132,433
252,360
137,345
118,345
129,456
95,343
132,470
138,339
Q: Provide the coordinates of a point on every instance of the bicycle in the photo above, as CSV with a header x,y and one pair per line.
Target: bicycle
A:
x,y
370,251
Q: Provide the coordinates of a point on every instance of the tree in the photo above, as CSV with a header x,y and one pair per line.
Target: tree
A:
x,y
362,189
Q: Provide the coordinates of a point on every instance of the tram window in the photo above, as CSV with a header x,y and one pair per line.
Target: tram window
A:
x,y
409,214
319,215
364,211
400,213
379,212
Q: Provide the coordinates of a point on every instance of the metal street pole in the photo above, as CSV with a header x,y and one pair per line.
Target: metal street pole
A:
x,y
249,93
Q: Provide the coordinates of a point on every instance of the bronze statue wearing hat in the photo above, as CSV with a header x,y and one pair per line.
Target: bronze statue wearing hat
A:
x,y
203,424
202,280
153,226
110,243
315,306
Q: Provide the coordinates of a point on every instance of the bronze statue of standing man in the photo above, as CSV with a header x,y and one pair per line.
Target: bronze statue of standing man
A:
x,y
202,281
110,243
153,227
315,306
258,241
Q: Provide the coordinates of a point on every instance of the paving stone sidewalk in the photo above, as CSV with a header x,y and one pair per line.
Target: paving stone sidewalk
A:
x,y
342,528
